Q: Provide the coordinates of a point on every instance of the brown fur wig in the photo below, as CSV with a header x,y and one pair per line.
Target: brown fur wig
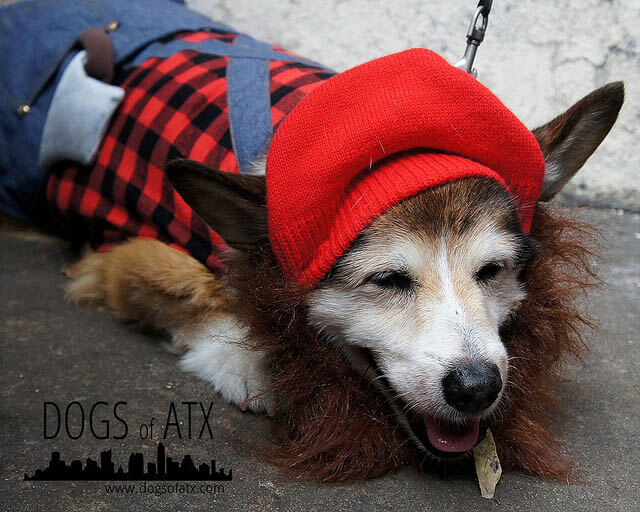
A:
x,y
332,426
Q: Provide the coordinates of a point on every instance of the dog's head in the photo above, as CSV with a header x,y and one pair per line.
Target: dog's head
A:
x,y
417,303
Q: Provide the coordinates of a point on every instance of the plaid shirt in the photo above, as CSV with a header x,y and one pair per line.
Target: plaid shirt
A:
x,y
173,108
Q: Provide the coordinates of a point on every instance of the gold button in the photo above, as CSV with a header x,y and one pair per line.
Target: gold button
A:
x,y
112,26
23,110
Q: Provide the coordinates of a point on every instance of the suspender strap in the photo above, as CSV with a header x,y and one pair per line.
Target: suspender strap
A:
x,y
249,103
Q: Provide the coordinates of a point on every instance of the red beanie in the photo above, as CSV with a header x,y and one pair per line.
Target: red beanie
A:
x,y
340,158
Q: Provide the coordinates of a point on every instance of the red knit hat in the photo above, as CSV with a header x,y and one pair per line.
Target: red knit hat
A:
x,y
340,158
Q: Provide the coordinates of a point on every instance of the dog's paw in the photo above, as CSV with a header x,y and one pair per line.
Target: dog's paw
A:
x,y
216,354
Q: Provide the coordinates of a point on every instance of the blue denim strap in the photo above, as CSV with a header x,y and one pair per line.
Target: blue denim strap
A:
x,y
249,103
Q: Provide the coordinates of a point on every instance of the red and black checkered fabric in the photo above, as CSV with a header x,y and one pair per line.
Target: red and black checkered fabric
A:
x,y
173,108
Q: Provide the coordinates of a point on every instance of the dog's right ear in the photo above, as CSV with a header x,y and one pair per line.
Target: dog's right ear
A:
x,y
233,205
572,137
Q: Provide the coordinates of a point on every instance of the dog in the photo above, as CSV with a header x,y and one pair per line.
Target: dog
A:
x,y
442,318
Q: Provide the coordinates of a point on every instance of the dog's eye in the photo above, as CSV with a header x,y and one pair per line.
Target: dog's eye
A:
x,y
392,280
488,271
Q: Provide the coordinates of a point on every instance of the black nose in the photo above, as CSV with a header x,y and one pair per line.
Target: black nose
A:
x,y
472,387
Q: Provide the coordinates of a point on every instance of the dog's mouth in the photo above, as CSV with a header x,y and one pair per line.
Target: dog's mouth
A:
x,y
444,438
439,437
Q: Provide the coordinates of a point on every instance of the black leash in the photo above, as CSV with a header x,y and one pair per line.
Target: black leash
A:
x,y
475,35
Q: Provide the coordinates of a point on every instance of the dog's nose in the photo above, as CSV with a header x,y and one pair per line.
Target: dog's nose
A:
x,y
472,387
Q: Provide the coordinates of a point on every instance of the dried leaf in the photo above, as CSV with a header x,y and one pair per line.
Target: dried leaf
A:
x,y
488,466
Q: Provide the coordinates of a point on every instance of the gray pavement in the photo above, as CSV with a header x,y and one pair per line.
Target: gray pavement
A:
x,y
54,351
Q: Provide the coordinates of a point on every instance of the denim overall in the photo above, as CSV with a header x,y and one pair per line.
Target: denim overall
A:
x,y
38,41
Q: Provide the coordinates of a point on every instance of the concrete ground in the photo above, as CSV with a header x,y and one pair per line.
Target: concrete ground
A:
x,y
53,351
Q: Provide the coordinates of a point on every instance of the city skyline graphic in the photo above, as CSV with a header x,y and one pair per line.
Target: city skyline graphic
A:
x,y
165,468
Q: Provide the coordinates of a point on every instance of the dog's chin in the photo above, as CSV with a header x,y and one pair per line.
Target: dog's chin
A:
x,y
437,437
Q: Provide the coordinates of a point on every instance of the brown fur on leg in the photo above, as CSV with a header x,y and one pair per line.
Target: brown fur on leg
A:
x,y
147,282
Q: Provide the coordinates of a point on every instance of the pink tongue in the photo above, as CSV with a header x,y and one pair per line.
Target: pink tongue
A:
x,y
448,438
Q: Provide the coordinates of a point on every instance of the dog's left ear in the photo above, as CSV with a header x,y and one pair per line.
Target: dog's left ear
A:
x,y
233,205
572,137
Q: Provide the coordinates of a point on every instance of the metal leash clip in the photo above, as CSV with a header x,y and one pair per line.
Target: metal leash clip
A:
x,y
475,36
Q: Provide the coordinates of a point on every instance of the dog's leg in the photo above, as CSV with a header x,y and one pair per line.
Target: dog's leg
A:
x,y
161,288
149,283
217,355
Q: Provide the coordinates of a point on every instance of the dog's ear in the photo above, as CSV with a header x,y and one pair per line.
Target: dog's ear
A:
x,y
234,205
572,137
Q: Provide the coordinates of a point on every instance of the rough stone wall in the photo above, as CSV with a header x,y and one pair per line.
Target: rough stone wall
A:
x,y
538,57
